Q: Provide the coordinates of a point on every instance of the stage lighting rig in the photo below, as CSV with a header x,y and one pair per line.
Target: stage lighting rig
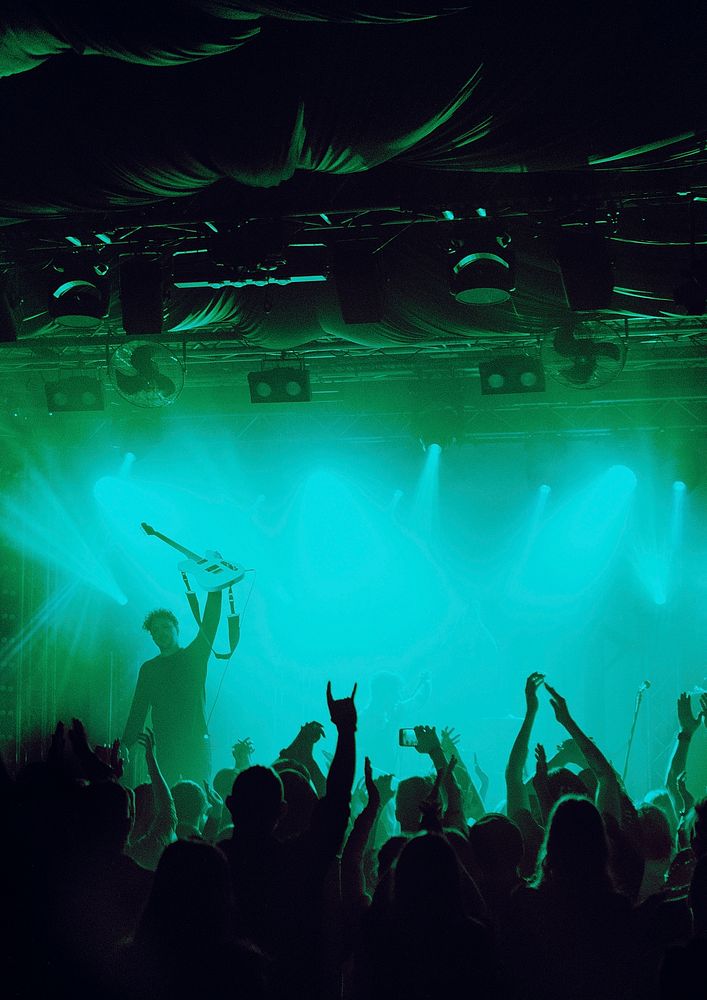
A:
x,y
481,267
280,385
76,393
511,373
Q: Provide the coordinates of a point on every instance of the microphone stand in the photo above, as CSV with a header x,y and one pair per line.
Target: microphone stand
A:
x,y
639,697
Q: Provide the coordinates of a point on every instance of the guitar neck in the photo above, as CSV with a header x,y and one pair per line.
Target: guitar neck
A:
x,y
180,548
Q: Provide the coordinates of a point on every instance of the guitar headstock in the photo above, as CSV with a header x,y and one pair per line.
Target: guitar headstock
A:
x,y
147,528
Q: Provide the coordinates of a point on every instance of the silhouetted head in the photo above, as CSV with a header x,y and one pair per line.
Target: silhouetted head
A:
x,y
389,853
660,797
575,849
189,803
411,792
223,782
496,843
589,780
163,626
656,840
190,902
257,799
561,781
301,799
290,764
426,880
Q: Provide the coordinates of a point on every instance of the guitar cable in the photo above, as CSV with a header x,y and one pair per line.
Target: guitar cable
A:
x,y
230,656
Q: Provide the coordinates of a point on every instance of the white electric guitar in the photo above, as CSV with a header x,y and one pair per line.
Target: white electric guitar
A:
x,y
211,571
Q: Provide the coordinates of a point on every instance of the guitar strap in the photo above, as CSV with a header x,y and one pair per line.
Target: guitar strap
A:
x,y
234,620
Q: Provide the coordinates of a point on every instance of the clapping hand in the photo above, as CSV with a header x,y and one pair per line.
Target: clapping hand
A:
x,y
532,683
559,706
342,711
213,798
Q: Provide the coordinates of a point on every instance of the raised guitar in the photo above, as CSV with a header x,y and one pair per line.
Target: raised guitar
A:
x,y
211,571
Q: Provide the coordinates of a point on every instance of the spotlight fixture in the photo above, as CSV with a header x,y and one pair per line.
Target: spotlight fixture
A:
x,y
437,427
482,271
511,373
80,392
280,385
80,298
586,268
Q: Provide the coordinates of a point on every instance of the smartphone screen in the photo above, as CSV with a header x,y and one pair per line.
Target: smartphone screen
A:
x,y
407,738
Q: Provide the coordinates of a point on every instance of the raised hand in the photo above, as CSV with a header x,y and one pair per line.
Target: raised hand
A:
x,y
384,784
311,733
242,751
427,739
147,741
449,740
559,706
688,723
118,758
532,683
540,762
110,756
212,797
374,797
342,711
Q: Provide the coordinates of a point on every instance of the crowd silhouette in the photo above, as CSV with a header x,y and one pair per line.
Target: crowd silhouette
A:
x,y
282,881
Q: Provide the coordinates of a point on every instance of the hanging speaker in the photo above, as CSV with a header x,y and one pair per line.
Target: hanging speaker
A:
x,y
141,295
587,270
358,281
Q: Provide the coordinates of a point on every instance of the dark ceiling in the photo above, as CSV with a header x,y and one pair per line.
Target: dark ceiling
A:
x,y
242,145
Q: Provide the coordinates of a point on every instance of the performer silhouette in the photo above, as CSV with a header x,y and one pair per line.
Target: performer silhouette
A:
x,y
172,685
